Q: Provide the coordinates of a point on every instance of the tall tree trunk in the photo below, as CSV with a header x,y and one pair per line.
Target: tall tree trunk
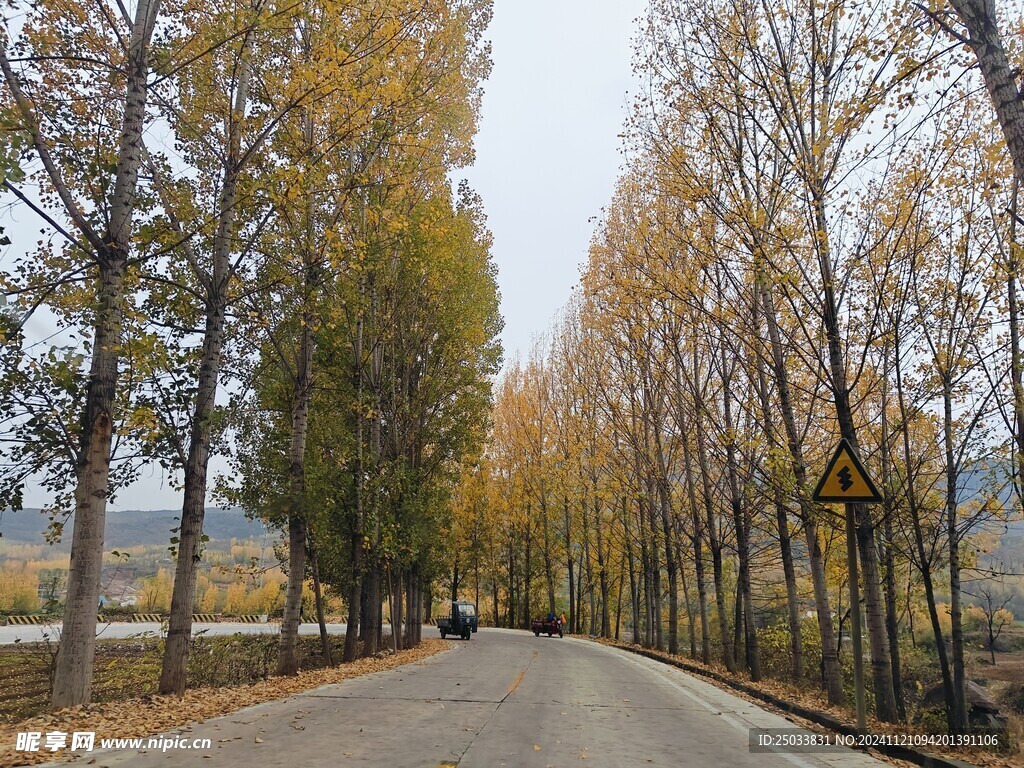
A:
x,y
287,653
602,569
527,579
781,514
569,559
511,615
831,674
645,564
979,16
494,589
584,578
371,632
409,609
715,545
753,657
892,615
395,608
738,634
924,562
72,681
618,605
695,518
885,697
318,596
355,591
687,601
953,539
1016,359
549,572
671,567
634,588
792,601
888,554
576,625
418,615
667,529
193,511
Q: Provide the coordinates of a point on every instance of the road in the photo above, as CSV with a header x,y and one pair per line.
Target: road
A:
x,y
502,699
29,634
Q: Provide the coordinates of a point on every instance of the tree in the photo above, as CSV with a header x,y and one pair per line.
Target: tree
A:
x,y
103,217
981,33
995,615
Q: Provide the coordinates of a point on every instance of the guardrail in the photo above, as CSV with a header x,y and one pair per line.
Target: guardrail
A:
x,y
137,618
35,621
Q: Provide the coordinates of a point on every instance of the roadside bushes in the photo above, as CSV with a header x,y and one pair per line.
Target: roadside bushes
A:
x,y
776,651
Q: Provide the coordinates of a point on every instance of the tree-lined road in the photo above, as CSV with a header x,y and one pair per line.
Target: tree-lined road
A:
x,y
502,699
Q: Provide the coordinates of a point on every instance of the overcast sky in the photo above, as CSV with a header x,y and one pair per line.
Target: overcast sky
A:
x,y
547,160
548,147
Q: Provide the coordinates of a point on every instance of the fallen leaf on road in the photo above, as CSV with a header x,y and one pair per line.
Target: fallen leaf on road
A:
x,y
258,740
536,747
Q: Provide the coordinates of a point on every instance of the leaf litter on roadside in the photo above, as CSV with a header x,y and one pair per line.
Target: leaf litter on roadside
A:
x,y
149,715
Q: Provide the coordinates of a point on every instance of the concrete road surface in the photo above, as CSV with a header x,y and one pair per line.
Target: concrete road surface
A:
x,y
502,699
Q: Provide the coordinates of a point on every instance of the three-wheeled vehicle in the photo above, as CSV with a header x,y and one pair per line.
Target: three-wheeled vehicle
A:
x,y
551,625
462,622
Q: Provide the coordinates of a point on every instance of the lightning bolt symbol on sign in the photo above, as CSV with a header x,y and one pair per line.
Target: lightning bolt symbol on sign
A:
x,y
845,479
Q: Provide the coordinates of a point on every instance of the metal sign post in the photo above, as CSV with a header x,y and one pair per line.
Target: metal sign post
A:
x,y
858,651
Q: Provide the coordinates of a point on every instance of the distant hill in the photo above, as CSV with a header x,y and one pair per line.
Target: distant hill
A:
x,y
1009,550
127,528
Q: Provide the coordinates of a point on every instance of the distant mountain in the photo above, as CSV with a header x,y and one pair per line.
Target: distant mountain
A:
x,y
127,528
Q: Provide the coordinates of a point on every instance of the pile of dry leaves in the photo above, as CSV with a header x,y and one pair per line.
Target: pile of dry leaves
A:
x,y
150,715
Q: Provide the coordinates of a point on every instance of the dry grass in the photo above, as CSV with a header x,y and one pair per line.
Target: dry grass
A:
x,y
149,715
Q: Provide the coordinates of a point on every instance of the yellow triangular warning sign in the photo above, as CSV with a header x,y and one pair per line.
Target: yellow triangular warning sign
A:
x,y
845,478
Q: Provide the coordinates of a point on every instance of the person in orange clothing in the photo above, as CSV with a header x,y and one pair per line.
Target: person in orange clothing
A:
x,y
562,618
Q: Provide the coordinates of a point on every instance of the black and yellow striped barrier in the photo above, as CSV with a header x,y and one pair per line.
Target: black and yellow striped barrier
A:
x,y
205,618
150,617
100,619
24,620
251,619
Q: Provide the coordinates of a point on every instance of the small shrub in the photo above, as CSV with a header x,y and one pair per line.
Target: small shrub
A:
x,y
919,671
1013,698
118,611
